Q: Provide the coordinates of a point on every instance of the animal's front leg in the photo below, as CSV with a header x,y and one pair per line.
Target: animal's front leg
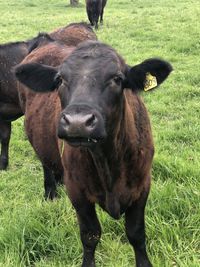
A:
x,y
49,183
90,231
5,131
135,230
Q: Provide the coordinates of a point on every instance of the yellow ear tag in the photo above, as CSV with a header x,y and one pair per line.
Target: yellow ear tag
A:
x,y
150,82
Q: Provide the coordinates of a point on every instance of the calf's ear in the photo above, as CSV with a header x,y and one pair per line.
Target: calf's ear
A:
x,y
38,77
147,75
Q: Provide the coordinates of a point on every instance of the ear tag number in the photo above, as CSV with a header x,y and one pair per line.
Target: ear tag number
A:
x,y
150,82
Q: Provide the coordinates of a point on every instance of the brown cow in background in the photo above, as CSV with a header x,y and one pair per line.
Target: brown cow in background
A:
x,y
107,146
12,54
95,9
74,33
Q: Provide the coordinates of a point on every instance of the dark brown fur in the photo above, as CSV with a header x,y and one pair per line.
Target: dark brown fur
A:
x,y
38,106
74,33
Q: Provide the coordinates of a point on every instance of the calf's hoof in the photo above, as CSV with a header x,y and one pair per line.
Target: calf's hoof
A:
x,y
50,195
3,163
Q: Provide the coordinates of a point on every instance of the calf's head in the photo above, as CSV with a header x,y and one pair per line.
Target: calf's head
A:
x,y
90,84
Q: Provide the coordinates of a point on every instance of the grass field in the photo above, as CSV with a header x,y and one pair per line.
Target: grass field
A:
x,y
45,234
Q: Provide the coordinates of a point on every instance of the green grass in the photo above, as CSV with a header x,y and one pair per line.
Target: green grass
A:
x,y
44,234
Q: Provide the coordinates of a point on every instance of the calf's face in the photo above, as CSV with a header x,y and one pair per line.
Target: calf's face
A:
x,y
90,84
91,91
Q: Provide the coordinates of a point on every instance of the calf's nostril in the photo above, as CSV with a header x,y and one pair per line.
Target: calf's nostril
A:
x,y
66,119
90,120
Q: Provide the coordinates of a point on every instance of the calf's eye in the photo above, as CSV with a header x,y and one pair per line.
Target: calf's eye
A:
x,y
57,80
117,80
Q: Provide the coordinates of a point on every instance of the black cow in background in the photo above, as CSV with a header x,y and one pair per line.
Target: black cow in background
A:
x,y
95,10
12,54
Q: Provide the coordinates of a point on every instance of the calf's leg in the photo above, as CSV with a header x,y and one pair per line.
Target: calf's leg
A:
x,y
58,175
135,230
101,17
49,183
90,17
90,231
96,20
5,131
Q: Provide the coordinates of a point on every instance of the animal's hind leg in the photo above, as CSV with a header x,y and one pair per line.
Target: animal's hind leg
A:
x,y
49,183
96,20
90,231
135,230
96,25
101,17
90,17
5,131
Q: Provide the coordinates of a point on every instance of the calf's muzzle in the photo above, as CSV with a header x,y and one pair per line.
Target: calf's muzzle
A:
x,y
81,126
